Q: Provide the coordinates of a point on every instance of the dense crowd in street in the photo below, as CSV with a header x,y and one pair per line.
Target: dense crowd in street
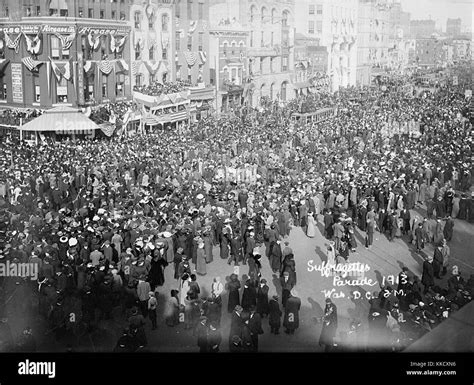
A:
x,y
163,88
102,220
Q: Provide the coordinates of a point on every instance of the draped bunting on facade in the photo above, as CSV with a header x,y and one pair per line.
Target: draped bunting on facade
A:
x,y
61,69
88,66
33,46
121,66
191,58
105,66
30,63
192,26
66,40
13,43
152,66
203,57
136,65
117,43
94,40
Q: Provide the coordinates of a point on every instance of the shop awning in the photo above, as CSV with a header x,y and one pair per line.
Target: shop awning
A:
x,y
63,119
3,65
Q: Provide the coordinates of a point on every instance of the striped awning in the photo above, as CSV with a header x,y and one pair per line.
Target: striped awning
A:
x,y
61,119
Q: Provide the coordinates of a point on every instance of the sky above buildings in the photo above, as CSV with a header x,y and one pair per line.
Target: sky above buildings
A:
x,y
441,10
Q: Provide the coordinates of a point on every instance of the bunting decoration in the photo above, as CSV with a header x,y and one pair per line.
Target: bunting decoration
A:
x,y
203,57
94,41
121,66
191,58
107,128
61,69
3,65
33,46
31,64
48,77
152,66
13,43
88,67
105,66
66,40
192,27
56,70
117,43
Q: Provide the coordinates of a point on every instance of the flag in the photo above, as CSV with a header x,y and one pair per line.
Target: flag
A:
x,y
121,66
48,77
33,45
116,43
152,66
88,66
13,43
66,72
56,70
136,67
66,41
30,63
203,57
105,66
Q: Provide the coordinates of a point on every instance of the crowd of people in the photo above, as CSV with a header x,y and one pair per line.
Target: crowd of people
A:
x,y
162,88
102,220
16,117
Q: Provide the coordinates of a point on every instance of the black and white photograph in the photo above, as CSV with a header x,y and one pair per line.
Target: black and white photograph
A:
x,y
236,176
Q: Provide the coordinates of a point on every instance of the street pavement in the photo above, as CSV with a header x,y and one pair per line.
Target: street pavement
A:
x,y
384,259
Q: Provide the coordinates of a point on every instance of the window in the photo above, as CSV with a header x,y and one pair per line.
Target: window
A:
x,y
190,79
164,54
253,13
262,39
178,9
80,12
53,12
284,63
190,43
101,14
137,51
3,90
104,86
283,91
151,79
151,23
63,12
261,64
284,19
190,9
5,12
311,27
138,80
27,11
251,38
272,38
319,9
164,22
89,81
61,91
200,41
136,18
271,91
234,46
319,26
119,85
54,47
151,53
274,15
91,13
311,9
38,10
36,88
122,15
263,15
225,48
201,11
114,15
178,41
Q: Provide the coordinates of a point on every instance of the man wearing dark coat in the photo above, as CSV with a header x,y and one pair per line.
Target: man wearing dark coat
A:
x,y
255,327
448,228
427,278
236,324
291,320
262,298
234,298
249,295
329,325
328,222
274,316
275,256
437,261
286,285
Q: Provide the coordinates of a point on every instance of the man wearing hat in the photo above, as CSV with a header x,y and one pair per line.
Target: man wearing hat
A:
x,y
274,316
292,308
427,278
329,329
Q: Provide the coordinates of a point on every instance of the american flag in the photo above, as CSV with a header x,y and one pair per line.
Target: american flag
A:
x,y
30,63
105,66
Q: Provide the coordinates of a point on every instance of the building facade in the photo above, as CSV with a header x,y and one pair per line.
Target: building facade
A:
x,y
422,28
453,27
228,61
334,23
153,41
58,52
462,49
192,40
429,52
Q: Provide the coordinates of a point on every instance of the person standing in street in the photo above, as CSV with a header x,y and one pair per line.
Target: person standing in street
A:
x,y
152,306
292,321
329,321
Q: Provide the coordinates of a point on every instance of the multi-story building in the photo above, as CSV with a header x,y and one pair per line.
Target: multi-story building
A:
x,y
228,60
192,40
422,28
374,38
153,41
58,52
334,23
462,49
429,52
453,27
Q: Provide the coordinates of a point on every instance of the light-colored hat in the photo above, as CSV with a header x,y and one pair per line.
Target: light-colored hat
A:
x,y
72,242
